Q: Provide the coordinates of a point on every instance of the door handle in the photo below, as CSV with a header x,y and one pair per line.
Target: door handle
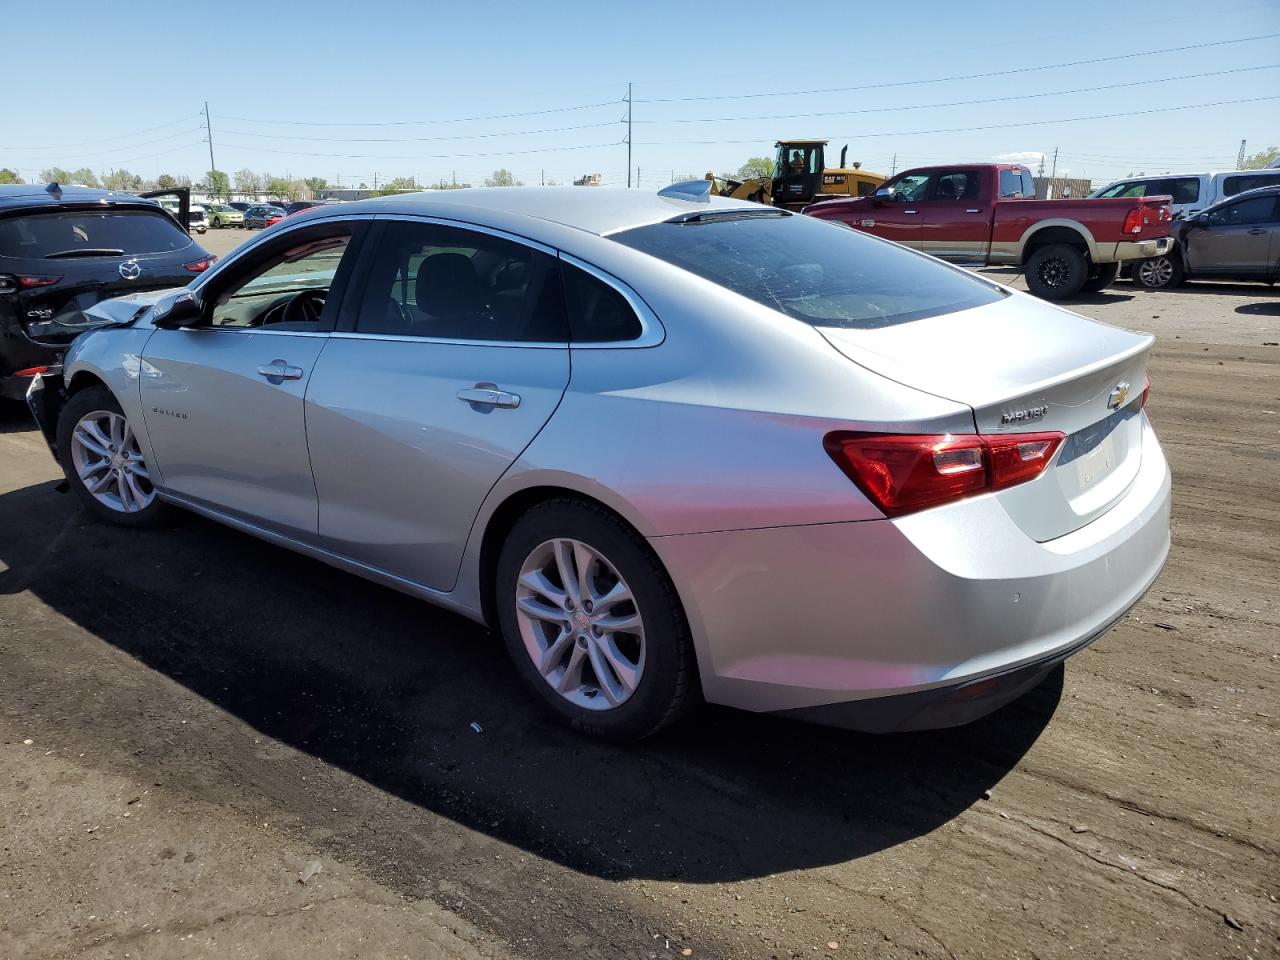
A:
x,y
910,211
1256,233
487,394
973,210
278,371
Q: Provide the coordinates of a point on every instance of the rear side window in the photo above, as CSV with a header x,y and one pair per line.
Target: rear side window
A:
x,y
428,280
1249,181
597,312
89,233
816,272
957,185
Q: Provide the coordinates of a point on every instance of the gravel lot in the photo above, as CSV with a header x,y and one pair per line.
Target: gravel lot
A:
x,y
192,722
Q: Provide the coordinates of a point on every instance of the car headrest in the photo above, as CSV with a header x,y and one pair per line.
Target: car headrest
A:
x,y
447,286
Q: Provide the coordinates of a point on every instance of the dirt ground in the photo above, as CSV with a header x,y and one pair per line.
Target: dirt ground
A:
x,y
192,722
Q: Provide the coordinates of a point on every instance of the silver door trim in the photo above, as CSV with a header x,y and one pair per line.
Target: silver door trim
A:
x,y
263,330
465,225
448,341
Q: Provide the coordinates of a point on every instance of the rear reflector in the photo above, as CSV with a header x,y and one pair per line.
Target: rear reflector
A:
x,y
905,473
200,266
26,283
31,372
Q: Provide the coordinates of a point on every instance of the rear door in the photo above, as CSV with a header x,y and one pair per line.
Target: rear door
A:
x,y
457,355
223,401
1234,240
956,216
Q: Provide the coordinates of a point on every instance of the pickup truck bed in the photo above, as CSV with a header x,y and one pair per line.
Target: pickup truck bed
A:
x,y
983,215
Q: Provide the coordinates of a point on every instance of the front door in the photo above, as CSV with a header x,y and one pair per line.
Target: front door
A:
x,y
223,400
1234,239
797,173
956,217
457,357
898,216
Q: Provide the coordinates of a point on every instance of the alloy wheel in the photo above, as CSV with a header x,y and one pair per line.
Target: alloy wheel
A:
x,y
108,461
580,625
1054,272
1156,272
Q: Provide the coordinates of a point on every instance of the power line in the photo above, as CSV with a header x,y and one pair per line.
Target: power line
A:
x,y
968,76
125,147
965,103
408,123
119,136
427,156
990,126
459,136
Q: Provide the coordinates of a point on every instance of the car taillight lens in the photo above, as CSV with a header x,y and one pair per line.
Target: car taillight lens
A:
x,y
1146,388
200,266
31,372
1136,219
905,473
26,283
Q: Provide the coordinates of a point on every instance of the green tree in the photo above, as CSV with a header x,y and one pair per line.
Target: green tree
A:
x,y
1261,159
10,176
55,175
276,186
85,177
502,177
219,184
396,185
247,182
755,167
122,180
315,185
165,182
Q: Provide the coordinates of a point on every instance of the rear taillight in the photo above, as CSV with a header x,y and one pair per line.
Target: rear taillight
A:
x,y
31,372
905,473
200,266
1146,388
1136,219
26,283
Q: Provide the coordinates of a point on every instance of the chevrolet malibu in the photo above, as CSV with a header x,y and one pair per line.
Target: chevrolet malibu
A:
x,y
671,447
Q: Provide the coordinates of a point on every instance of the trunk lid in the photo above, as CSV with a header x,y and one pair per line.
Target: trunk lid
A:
x,y
1024,366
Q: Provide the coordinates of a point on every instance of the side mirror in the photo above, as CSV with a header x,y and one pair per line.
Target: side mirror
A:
x,y
1200,219
882,195
183,310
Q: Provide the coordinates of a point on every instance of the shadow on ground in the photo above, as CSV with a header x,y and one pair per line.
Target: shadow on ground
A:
x,y
1267,308
386,687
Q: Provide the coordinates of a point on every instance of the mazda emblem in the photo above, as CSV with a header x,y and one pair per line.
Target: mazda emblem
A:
x,y
130,270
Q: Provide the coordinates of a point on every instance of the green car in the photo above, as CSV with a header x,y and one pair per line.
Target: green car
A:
x,y
221,215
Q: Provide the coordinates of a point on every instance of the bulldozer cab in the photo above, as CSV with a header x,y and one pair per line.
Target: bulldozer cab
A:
x,y
797,171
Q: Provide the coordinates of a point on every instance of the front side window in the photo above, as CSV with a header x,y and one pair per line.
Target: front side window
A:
x,y
1182,189
70,234
1253,210
428,280
910,187
288,289
813,271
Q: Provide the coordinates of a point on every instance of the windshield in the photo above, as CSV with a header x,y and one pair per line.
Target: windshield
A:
x,y
823,274
68,232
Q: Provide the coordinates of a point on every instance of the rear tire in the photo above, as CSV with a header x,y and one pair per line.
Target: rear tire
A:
x,y
103,462
1158,273
560,628
1056,271
1101,276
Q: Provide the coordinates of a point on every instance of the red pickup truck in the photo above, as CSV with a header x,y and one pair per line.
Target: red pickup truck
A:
x,y
985,214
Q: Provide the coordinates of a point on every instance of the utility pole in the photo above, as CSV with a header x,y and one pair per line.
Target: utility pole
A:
x,y
209,130
629,137
1040,169
1054,172
1240,157
544,178
637,178
375,179
894,167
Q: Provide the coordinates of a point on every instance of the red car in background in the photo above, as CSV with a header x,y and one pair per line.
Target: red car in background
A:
x,y
262,215
986,214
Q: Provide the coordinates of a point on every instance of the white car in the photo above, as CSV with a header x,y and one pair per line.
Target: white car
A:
x,y
1191,192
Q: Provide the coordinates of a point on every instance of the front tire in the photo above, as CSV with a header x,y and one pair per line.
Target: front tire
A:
x,y
1158,273
1100,277
1056,271
103,462
592,622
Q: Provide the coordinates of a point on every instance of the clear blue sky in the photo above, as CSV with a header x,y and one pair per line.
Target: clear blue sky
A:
x,y
84,84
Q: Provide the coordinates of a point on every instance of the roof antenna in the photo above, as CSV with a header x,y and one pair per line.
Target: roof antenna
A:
x,y
54,190
693,191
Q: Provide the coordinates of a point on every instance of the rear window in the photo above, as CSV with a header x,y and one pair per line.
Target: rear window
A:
x,y
71,233
822,273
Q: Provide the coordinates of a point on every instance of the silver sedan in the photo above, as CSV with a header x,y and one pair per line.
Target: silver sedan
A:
x,y
671,447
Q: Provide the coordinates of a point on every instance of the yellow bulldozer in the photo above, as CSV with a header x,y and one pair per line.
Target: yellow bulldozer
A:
x,y
800,177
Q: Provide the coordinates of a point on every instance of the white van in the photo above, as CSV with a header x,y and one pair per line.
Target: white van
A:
x,y
197,219
1191,192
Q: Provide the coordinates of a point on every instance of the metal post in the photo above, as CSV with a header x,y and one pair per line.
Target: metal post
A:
x,y
1054,173
209,129
894,168
629,137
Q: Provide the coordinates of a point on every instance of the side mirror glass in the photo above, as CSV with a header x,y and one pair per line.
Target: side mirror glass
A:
x,y
882,195
183,310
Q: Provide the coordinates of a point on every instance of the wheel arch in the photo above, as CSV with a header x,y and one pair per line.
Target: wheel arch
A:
x,y
1045,232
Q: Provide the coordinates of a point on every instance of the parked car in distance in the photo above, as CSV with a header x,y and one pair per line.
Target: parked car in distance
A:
x,y
241,205
815,420
197,219
986,215
61,251
221,215
299,205
262,215
1191,192
1236,239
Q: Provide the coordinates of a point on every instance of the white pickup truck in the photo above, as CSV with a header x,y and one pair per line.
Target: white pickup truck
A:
x,y
1191,192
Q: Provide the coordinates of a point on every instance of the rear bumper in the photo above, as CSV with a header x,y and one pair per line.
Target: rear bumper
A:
x,y
45,397
1142,249
892,624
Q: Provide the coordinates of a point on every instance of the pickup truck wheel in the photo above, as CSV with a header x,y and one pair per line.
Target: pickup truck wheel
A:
x,y
1056,271
1158,273
1101,276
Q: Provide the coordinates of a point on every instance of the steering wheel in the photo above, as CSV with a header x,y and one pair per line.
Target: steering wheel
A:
x,y
306,307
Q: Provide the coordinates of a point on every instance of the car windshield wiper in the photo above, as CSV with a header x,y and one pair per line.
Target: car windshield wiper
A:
x,y
84,252
718,216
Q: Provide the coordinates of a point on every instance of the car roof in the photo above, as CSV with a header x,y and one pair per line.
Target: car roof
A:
x,y
596,210
19,196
